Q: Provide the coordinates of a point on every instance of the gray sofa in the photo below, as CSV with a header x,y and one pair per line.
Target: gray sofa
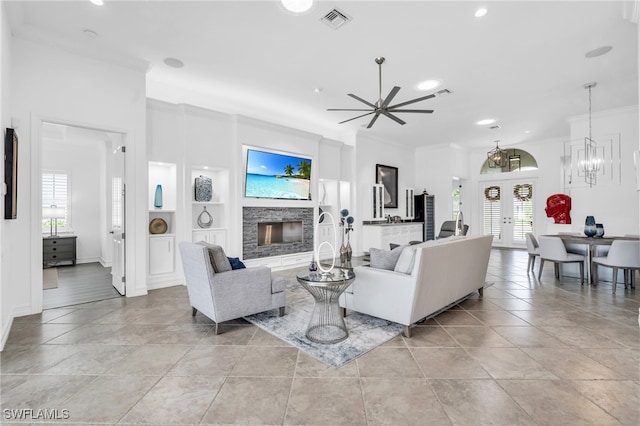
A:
x,y
223,296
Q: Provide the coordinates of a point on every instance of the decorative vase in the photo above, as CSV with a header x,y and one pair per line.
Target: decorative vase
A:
x,y
599,230
157,201
590,227
205,220
343,253
312,266
349,252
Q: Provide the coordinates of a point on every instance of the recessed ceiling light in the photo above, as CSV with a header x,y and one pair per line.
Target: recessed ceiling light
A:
x,y
485,122
97,2
598,51
317,89
173,62
480,12
428,84
297,6
527,131
90,33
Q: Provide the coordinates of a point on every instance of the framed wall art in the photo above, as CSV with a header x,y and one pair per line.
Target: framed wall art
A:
x,y
11,174
388,177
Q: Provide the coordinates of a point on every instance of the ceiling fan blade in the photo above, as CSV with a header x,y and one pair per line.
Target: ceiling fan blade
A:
x,y
373,120
361,100
390,96
412,101
425,111
393,117
354,118
348,109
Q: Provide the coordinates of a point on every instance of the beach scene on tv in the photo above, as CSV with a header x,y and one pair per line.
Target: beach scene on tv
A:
x,y
271,175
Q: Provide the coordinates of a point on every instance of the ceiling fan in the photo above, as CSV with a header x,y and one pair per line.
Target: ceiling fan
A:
x,y
382,106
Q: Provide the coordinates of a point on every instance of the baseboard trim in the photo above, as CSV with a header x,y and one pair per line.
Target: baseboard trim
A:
x,y
5,331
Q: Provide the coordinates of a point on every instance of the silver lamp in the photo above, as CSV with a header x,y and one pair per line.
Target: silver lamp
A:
x,y
53,213
591,163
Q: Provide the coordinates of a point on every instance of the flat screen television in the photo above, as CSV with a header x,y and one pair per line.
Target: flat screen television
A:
x,y
277,176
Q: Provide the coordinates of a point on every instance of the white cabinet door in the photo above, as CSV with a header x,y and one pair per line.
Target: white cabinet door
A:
x,y
217,237
161,255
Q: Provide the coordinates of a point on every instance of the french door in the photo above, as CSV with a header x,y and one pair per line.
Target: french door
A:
x,y
508,211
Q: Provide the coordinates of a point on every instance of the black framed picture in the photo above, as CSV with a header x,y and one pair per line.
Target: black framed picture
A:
x,y
11,174
388,177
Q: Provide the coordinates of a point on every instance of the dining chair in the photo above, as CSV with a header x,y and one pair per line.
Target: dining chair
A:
x,y
533,249
553,250
624,255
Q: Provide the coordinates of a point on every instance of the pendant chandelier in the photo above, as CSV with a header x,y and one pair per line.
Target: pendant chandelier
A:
x,y
591,163
497,158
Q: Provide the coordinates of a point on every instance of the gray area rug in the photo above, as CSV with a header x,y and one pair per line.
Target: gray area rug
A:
x,y
365,332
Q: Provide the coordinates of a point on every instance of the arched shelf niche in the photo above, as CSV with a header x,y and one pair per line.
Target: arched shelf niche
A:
x,y
518,160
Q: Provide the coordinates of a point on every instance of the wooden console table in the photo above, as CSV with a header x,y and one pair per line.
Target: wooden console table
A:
x,y
59,249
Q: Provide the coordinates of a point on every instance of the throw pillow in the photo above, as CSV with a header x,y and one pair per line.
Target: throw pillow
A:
x,y
236,263
217,257
406,260
384,259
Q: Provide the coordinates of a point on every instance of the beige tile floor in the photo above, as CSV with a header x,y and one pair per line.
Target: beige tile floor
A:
x,y
529,352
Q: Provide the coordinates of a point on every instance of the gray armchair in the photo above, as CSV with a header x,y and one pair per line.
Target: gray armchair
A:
x,y
222,296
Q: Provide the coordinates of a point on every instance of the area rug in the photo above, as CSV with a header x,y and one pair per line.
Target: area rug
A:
x,y
365,332
49,278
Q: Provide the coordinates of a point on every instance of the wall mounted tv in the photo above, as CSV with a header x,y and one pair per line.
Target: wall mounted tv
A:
x,y
278,176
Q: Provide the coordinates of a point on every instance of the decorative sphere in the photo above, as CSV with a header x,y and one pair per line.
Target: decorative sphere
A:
x,y
344,212
350,220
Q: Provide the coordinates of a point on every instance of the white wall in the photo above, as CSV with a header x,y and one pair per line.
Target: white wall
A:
x,y
8,293
613,204
84,163
369,152
58,86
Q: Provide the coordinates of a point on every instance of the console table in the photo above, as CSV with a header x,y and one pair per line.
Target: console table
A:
x,y
326,324
59,249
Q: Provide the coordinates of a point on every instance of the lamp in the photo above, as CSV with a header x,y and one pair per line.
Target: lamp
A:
x,y
591,163
53,213
497,157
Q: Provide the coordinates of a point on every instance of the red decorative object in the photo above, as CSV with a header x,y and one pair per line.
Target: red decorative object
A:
x,y
559,208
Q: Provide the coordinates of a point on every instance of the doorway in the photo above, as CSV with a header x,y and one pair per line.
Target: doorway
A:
x,y
508,211
82,187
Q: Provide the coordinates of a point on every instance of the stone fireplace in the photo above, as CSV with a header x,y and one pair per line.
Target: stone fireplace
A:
x,y
276,231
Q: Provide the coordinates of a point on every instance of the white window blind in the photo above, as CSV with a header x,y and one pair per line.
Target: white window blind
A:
x,y
116,203
522,211
492,212
55,193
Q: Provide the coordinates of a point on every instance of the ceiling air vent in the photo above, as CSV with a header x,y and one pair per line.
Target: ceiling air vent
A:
x,y
335,18
494,127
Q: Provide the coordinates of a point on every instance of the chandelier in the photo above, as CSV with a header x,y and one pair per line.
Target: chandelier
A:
x,y
591,163
497,158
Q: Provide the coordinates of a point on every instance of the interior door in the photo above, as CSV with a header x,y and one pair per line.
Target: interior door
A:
x,y
507,209
117,220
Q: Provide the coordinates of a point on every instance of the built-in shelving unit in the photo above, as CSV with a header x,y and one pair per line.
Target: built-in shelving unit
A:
x,y
217,207
162,247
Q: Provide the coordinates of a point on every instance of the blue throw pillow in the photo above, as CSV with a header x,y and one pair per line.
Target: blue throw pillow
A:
x,y
236,263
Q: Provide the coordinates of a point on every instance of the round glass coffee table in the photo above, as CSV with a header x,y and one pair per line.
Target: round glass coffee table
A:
x,y
326,324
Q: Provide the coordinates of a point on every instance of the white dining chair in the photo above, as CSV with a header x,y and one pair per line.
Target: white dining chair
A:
x,y
553,250
623,254
533,249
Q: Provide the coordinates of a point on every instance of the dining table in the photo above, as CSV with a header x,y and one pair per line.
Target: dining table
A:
x,y
592,243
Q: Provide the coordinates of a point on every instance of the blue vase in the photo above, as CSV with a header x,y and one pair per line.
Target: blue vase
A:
x,y
157,203
599,230
590,227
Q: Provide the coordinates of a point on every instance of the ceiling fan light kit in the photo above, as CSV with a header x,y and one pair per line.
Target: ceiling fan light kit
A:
x,y
381,106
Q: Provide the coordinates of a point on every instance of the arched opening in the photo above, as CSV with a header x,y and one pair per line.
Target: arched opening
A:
x,y
515,160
